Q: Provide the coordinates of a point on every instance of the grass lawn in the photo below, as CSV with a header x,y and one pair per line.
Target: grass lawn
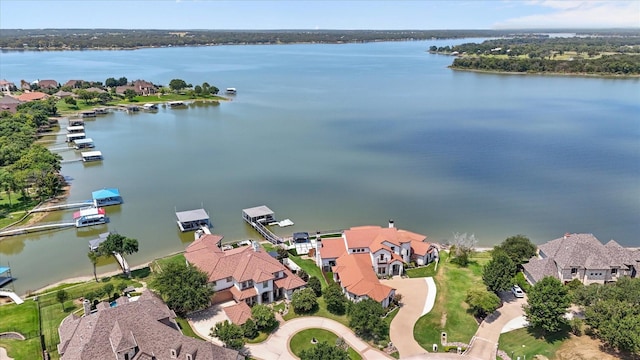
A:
x,y
186,328
310,267
423,271
302,341
23,319
524,342
177,258
262,336
320,311
450,311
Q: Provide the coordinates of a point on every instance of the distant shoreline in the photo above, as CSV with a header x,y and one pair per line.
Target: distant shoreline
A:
x,y
494,72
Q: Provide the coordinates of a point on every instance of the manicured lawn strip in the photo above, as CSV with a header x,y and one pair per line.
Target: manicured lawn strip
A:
x,y
525,343
186,328
19,349
78,290
52,316
163,262
321,311
23,319
262,336
310,267
423,271
302,341
452,283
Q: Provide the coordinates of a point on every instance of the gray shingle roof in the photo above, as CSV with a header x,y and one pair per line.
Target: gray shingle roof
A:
x,y
579,251
539,268
146,324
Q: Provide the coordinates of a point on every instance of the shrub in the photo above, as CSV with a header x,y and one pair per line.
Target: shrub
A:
x,y
304,301
335,299
577,325
314,284
250,329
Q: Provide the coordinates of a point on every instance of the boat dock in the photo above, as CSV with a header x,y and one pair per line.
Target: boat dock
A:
x,y
257,217
9,293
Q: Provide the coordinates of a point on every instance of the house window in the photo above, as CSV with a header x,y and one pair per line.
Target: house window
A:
x,y
189,357
614,271
265,284
213,283
393,249
574,271
173,353
382,270
381,256
229,279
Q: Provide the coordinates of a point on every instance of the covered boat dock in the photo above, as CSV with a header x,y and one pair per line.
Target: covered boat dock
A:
x,y
83,143
91,156
5,275
261,214
192,219
106,197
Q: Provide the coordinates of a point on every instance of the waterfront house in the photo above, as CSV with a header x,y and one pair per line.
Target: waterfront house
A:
x,y
133,330
9,103
363,254
582,257
32,96
6,86
47,84
74,84
244,274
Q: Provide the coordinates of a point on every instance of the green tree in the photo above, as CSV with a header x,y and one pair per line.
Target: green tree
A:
x,y
229,333
499,272
184,288
314,284
519,248
282,254
324,351
197,90
365,318
85,95
62,296
335,299
118,243
177,84
548,301
111,82
122,81
130,94
107,289
249,329
264,317
482,302
304,301
93,257
69,100
303,275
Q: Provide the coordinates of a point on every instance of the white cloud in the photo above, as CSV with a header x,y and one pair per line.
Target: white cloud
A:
x,y
577,14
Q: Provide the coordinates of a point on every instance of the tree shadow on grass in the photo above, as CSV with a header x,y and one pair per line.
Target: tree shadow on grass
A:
x,y
561,335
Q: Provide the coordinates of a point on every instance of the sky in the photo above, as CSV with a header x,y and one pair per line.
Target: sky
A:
x,y
319,14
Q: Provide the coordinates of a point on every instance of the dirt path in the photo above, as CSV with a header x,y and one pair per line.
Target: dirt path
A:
x,y
3,354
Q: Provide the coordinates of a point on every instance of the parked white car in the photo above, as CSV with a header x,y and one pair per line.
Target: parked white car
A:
x,y
517,291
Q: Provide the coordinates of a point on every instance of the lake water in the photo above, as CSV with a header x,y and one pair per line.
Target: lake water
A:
x,y
334,136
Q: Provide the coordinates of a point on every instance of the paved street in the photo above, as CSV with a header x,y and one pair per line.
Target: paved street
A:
x,y
277,346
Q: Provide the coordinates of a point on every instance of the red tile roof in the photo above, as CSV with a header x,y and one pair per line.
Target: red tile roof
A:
x,y
238,313
420,247
240,295
332,248
356,275
365,236
32,96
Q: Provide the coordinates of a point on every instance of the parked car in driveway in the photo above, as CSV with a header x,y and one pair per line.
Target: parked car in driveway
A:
x,y
517,291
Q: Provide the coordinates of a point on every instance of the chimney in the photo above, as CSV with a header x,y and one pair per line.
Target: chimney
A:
x,y
391,225
86,306
566,235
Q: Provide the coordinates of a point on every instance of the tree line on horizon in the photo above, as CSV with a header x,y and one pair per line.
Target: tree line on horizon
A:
x,y
44,39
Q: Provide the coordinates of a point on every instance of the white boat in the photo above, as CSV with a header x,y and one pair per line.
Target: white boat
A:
x,y
174,104
231,91
150,106
89,216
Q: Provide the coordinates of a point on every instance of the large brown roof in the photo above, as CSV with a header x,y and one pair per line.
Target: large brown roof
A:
x,y
31,96
332,248
364,236
356,275
243,263
146,324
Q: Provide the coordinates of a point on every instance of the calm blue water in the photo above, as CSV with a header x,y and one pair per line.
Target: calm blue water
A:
x,y
333,136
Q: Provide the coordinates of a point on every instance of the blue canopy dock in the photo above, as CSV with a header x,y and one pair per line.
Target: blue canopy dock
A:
x,y
106,197
5,275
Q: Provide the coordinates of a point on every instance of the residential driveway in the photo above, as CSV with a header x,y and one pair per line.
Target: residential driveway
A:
x,y
202,321
415,303
276,347
3,354
485,342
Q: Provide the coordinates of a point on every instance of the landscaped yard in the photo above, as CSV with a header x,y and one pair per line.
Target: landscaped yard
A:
x,y
310,267
302,341
23,319
525,344
321,311
423,271
450,311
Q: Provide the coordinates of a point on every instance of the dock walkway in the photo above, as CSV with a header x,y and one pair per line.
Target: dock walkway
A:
x,y
122,262
63,206
41,227
8,292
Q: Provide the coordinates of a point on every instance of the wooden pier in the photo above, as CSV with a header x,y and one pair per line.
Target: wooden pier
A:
x,y
63,206
266,233
41,227
122,262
